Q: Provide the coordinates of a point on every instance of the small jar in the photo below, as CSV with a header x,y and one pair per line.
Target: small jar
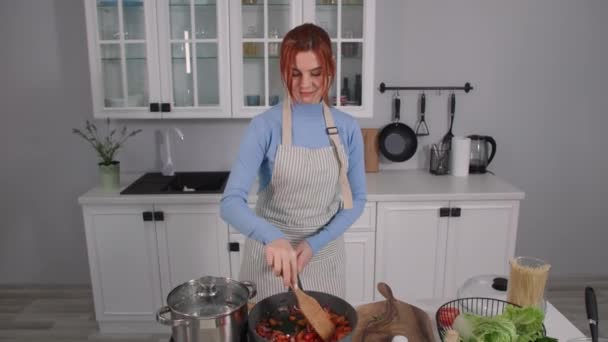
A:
x,y
273,47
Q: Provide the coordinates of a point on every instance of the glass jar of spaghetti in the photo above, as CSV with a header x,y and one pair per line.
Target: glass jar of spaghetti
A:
x,y
527,281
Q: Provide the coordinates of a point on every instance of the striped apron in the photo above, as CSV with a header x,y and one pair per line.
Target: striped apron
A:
x,y
301,198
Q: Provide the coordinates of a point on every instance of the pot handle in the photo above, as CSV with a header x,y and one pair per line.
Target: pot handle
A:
x,y
160,318
251,287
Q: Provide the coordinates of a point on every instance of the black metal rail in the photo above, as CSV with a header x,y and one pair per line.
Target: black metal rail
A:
x,y
467,88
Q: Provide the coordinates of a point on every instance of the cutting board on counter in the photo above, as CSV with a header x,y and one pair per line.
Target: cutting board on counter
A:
x,y
370,142
407,320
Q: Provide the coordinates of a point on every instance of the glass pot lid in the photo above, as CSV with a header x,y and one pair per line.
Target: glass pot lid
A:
x,y
485,286
208,297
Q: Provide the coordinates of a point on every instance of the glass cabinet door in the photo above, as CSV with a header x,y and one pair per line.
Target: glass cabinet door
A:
x,y
193,57
122,43
349,24
256,39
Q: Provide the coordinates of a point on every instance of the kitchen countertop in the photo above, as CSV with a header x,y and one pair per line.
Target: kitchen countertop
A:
x,y
390,185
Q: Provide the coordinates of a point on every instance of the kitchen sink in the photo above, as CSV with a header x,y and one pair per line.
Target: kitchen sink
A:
x,y
154,183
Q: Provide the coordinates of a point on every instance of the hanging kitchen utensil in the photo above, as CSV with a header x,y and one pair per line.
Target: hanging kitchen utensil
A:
x,y
422,129
446,142
397,140
591,306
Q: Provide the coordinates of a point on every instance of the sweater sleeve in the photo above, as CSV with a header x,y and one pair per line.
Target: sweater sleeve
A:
x,y
356,177
233,208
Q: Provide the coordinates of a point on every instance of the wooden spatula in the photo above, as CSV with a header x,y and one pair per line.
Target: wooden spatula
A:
x,y
312,310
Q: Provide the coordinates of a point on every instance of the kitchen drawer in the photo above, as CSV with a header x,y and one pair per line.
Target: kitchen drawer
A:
x,y
365,223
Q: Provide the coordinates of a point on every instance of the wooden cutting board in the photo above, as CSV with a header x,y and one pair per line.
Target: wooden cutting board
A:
x,y
371,156
410,321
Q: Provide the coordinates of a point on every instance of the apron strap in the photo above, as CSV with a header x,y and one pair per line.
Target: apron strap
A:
x,y
332,132
334,138
286,128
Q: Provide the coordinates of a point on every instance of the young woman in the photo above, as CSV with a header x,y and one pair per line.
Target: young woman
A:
x,y
309,158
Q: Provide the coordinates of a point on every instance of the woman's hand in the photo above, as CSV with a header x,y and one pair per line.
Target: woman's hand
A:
x,y
304,254
282,258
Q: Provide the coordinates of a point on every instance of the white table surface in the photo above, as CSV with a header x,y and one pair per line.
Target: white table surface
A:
x,y
556,323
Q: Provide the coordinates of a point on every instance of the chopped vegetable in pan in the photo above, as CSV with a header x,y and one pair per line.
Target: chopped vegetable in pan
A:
x,y
271,328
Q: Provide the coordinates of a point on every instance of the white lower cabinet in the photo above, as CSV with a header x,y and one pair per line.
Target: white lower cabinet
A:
x,y
237,245
359,267
192,242
138,253
410,249
429,249
480,241
423,249
123,261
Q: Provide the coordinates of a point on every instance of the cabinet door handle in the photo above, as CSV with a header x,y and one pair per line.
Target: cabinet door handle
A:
x,y
444,212
155,107
147,216
159,216
234,246
455,212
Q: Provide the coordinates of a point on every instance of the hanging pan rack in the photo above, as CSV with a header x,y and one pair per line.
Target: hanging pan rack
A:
x,y
467,88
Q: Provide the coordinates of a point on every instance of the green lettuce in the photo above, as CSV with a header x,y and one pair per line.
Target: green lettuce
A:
x,y
485,329
528,322
514,325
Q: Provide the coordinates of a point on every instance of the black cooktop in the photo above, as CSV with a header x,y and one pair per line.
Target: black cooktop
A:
x,y
154,183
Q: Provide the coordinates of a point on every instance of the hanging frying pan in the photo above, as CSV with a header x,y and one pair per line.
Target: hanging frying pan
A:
x,y
397,140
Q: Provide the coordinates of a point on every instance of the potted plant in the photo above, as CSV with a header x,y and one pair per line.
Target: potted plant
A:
x,y
106,147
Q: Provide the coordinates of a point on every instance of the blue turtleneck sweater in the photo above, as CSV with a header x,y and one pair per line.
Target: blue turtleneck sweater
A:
x,y
257,154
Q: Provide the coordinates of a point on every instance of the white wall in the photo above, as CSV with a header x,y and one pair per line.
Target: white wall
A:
x,y
538,68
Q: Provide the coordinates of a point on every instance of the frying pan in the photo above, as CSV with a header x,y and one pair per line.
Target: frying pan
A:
x,y
397,141
277,306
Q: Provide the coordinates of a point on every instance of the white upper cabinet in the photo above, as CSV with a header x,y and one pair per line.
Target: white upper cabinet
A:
x,y
123,57
350,24
217,59
256,31
159,59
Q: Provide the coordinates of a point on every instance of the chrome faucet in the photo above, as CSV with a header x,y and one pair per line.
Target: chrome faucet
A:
x,y
168,167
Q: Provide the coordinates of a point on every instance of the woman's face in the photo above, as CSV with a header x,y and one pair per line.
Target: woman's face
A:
x,y
307,78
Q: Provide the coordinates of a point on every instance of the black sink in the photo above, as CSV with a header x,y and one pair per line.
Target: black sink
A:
x,y
212,182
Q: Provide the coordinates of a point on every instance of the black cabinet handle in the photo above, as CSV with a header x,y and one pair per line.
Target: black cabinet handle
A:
x,y
155,107
147,216
234,246
444,212
159,216
455,212
165,107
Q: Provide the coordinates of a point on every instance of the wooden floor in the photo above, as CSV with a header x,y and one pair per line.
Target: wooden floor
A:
x,y
65,314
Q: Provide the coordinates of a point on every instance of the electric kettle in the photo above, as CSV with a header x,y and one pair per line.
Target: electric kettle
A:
x,y
483,149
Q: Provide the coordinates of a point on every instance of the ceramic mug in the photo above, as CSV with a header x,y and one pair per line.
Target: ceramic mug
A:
x,y
274,99
252,100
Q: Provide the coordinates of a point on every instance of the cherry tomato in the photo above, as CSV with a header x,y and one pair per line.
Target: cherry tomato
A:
x,y
446,316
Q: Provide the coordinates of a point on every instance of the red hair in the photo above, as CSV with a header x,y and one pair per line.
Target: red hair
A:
x,y
308,37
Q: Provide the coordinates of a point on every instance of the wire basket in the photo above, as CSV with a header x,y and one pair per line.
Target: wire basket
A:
x,y
486,307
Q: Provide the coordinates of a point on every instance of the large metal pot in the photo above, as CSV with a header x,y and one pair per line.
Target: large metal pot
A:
x,y
277,306
208,309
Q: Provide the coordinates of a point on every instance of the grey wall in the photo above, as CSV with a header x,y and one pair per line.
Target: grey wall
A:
x,y
538,68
